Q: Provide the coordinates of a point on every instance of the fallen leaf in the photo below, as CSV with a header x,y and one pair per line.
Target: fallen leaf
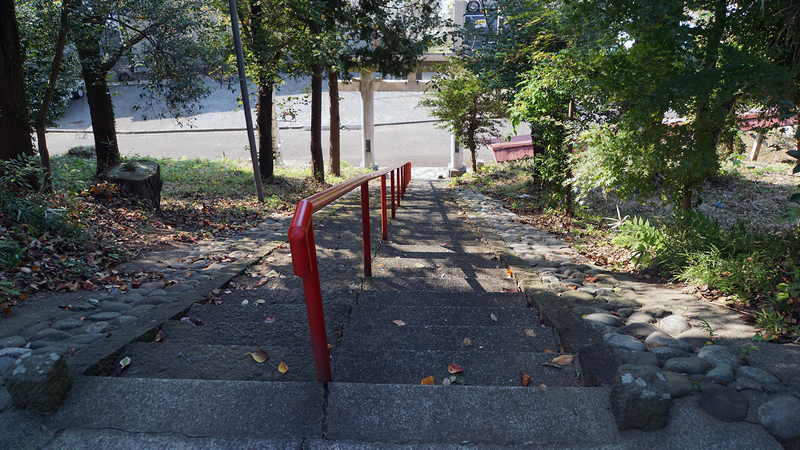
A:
x,y
454,368
159,336
272,274
270,319
447,382
330,346
443,244
262,281
530,332
493,317
124,363
524,379
574,288
71,351
399,323
261,301
282,367
548,351
467,342
552,365
260,356
563,360
428,381
270,259
592,279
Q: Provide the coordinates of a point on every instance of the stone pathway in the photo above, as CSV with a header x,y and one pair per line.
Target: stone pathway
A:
x,y
651,329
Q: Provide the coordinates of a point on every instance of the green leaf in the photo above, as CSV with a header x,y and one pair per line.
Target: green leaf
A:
x,y
795,198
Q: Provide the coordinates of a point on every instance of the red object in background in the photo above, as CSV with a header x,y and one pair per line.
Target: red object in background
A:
x,y
517,148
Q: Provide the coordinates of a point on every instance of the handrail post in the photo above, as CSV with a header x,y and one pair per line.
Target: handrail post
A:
x,y
384,218
304,257
391,175
365,226
399,186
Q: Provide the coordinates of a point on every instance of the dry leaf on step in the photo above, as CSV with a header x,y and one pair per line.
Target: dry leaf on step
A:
x,y
531,332
428,381
454,368
260,356
399,323
563,360
282,367
467,342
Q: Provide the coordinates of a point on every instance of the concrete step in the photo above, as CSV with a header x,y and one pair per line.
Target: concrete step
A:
x,y
267,314
376,314
295,334
480,368
389,250
422,298
73,439
432,268
469,415
446,338
216,362
440,284
199,408
235,297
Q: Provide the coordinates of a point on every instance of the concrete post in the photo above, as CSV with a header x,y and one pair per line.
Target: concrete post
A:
x,y
457,166
757,146
367,121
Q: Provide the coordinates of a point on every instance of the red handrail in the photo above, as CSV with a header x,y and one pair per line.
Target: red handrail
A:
x,y
304,250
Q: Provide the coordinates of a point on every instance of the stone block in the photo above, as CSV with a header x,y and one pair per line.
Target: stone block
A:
x,y
640,397
39,382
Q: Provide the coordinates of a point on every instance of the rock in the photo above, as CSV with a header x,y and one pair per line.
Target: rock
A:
x,y
656,311
585,310
13,341
124,320
667,353
674,324
5,364
35,345
5,399
35,329
50,334
601,328
722,373
640,317
154,285
39,382
756,374
679,385
131,298
577,295
103,317
624,342
695,337
605,319
13,352
177,288
624,303
96,327
640,397
639,358
639,329
743,384
86,338
691,365
724,403
661,339
67,324
716,354
781,417
114,306
626,312
157,293
138,311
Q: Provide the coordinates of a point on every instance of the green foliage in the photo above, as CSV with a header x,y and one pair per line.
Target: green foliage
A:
x,y
645,241
461,102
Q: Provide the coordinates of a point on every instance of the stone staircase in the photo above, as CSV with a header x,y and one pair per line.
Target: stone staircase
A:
x,y
438,296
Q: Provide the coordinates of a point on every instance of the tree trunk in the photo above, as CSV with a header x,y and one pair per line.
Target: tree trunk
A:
x,y
264,118
41,120
335,141
140,179
317,163
101,107
14,127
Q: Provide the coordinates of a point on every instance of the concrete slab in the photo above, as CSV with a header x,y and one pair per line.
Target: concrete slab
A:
x,y
410,337
194,408
83,439
256,313
216,362
440,284
469,415
480,368
446,315
315,444
247,334
421,298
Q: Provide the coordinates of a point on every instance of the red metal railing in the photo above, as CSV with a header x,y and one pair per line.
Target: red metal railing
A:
x,y
304,250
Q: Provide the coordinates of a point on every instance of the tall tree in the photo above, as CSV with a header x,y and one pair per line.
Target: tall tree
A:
x,y
14,128
165,34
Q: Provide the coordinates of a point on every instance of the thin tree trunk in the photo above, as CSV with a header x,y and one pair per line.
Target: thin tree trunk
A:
x,y
335,141
317,164
41,120
264,118
14,128
568,197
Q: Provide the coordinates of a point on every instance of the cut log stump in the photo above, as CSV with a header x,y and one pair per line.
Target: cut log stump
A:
x,y
139,179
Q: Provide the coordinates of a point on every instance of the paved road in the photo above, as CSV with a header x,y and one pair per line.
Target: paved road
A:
x,y
403,132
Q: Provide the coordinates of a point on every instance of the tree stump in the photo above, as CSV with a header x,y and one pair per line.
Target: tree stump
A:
x,y
139,179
